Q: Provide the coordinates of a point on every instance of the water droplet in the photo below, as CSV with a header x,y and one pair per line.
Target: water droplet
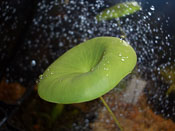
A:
x,y
157,37
134,3
124,43
41,77
120,54
108,11
131,29
37,81
61,44
152,7
21,80
33,63
123,59
106,69
149,13
152,50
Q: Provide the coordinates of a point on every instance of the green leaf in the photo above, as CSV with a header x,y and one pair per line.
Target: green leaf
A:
x,y
119,10
171,89
168,74
87,71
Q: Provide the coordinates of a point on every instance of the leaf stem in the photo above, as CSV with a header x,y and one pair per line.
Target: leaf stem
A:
x,y
121,29
111,113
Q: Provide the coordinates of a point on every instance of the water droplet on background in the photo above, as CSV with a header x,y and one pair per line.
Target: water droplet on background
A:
x,y
149,13
152,7
33,63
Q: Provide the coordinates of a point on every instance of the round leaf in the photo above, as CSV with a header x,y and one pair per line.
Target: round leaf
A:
x,y
87,71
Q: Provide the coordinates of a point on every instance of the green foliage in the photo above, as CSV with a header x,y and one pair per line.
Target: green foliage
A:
x,y
119,10
87,71
171,89
57,111
168,75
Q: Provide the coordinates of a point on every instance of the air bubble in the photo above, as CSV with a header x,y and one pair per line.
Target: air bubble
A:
x,y
33,63
149,13
152,7
61,44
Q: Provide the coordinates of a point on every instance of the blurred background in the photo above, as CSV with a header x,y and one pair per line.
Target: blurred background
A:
x,y
34,33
